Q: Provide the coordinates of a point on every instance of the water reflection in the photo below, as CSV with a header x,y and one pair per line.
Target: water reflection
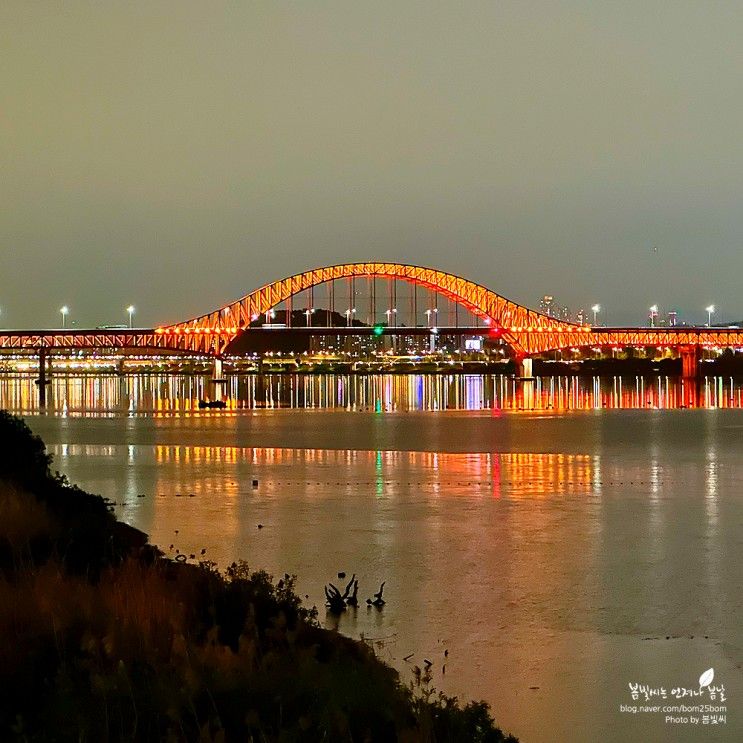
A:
x,y
180,394
523,474
569,554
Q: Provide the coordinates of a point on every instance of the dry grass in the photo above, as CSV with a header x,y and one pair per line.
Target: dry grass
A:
x,y
22,517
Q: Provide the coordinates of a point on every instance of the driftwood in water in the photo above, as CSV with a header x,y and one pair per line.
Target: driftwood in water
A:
x,y
378,600
335,601
353,600
349,585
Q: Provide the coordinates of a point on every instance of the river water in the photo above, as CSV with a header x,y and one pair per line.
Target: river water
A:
x,y
559,545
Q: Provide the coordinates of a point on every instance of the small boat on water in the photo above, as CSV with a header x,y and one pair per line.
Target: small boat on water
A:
x,y
212,404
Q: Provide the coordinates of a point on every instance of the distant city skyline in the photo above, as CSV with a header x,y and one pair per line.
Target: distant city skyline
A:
x,y
175,155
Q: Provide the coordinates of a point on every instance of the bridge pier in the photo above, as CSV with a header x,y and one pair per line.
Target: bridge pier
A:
x,y
690,392
42,380
690,362
124,399
691,376
217,371
218,381
524,368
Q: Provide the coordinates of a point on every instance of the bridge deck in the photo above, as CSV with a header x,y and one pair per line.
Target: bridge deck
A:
x,y
213,341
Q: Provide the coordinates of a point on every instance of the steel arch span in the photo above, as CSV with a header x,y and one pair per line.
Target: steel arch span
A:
x,y
525,330
528,332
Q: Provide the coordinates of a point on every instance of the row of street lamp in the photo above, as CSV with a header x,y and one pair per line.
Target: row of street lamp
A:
x,y
65,310
596,308
349,313
654,313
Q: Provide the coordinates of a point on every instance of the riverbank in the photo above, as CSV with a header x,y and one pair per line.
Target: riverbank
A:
x,y
106,639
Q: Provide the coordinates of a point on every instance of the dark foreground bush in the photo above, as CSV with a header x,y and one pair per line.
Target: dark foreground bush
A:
x,y
103,639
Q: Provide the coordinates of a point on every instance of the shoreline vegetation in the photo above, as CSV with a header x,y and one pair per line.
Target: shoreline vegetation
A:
x,y
106,639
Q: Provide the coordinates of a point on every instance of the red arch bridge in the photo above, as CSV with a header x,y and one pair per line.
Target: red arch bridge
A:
x,y
526,331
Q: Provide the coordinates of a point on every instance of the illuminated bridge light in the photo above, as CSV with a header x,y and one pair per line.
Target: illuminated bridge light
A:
x,y
527,331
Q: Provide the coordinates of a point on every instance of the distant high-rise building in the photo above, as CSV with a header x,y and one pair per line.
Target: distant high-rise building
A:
x,y
547,305
581,316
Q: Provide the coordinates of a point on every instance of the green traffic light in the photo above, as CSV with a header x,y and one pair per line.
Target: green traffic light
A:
x,y
378,330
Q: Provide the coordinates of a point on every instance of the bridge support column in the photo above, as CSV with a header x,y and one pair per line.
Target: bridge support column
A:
x,y
690,362
42,381
690,392
124,399
691,376
218,381
524,367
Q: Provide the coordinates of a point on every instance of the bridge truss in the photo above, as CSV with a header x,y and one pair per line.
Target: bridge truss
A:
x,y
526,331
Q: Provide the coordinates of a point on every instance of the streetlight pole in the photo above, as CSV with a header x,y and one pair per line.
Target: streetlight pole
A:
x,y
130,310
653,314
595,309
709,311
63,311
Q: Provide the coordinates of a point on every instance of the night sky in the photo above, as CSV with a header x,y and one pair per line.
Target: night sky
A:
x,y
175,155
